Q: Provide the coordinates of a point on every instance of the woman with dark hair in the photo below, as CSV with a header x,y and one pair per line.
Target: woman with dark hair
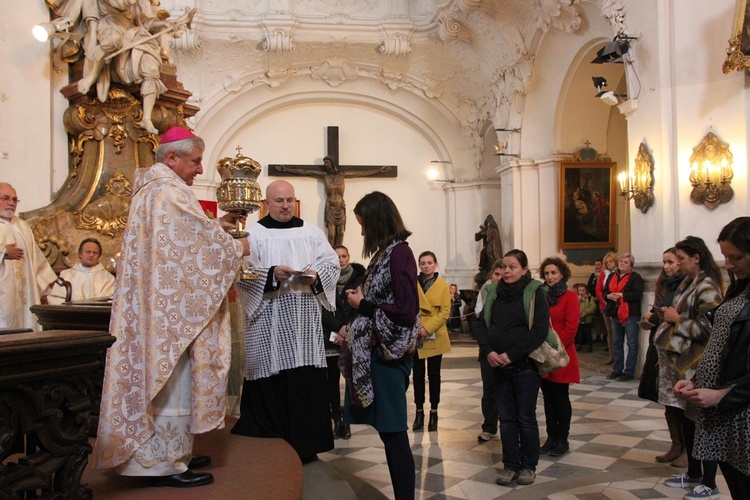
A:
x,y
513,321
334,328
564,312
721,385
623,291
680,341
434,308
648,388
380,341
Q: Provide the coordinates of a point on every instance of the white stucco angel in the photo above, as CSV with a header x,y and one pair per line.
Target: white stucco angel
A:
x,y
128,43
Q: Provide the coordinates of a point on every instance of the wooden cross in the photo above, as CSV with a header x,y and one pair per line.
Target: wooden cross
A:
x,y
333,176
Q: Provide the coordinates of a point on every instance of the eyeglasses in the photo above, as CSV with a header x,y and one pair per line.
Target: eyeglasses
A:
x,y
6,199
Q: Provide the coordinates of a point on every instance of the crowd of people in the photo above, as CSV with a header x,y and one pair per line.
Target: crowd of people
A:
x,y
313,316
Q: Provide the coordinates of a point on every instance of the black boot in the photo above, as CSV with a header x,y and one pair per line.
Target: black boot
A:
x,y
548,445
561,447
432,424
346,430
418,421
337,421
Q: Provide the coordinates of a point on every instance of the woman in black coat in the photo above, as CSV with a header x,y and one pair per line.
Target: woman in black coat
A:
x,y
334,325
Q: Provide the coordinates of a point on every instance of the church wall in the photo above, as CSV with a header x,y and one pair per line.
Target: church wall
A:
x,y
26,97
288,126
685,95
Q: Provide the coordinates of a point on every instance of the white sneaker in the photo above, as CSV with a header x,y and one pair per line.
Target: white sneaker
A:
x,y
683,481
702,491
486,436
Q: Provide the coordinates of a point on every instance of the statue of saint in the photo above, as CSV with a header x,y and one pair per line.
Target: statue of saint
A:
x,y
127,44
333,180
492,248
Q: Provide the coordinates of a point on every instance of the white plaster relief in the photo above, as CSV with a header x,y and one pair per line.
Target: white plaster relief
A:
x,y
395,45
449,29
559,14
278,40
468,6
334,72
189,41
614,12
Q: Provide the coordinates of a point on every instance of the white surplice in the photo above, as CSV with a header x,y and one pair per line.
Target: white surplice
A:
x,y
86,283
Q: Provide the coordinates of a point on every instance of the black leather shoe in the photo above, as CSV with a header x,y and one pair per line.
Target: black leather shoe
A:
x,y
418,421
199,461
336,427
432,425
346,431
187,479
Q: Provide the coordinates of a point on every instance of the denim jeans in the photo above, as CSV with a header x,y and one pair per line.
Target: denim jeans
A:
x,y
489,408
516,393
621,334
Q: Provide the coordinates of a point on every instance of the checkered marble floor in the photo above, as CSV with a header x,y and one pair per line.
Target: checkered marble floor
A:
x,y
614,437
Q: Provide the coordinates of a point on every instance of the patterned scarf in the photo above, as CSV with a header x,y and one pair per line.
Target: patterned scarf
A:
x,y
364,334
556,291
617,285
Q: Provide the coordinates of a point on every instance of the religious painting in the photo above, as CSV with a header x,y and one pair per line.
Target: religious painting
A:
x,y
587,205
264,209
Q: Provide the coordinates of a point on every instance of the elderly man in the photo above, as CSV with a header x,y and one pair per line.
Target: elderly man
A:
x,y
285,365
165,377
25,275
88,278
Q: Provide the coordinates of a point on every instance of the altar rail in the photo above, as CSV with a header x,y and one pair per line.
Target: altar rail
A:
x,y
46,392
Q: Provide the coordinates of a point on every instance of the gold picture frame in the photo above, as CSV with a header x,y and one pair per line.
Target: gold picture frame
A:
x,y
738,53
587,204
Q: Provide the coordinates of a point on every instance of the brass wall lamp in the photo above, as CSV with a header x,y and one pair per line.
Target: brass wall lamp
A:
x,y
638,186
711,172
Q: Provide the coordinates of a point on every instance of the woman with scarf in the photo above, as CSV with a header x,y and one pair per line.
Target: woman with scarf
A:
x,y
648,388
507,332
624,290
610,264
680,341
380,341
434,308
720,388
565,314
334,327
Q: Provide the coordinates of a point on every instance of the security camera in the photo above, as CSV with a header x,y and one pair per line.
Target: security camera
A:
x,y
609,98
599,82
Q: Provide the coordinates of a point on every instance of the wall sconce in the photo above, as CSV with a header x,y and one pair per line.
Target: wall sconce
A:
x,y
711,172
432,173
68,48
638,186
501,146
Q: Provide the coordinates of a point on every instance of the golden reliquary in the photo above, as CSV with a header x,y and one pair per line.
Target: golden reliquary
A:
x,y
239,192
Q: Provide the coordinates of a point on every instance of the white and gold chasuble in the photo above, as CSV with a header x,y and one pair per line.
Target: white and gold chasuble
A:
x,y
86,283
23,281
175,270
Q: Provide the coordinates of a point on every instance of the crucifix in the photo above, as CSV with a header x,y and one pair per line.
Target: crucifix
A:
x,y
333,176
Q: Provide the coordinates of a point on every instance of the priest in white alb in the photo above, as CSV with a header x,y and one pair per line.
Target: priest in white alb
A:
x,y
285,392
25,275
88,279
165,377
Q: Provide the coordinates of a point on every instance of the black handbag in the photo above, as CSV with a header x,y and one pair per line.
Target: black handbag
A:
x,y
611,308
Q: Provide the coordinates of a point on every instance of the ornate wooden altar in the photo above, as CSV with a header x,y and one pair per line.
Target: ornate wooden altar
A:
x,y
46,393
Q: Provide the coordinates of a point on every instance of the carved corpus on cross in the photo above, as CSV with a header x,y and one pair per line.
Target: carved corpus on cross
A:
x,y
333,176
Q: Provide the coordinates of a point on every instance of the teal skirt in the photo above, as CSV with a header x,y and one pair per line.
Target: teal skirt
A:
x,y
387,413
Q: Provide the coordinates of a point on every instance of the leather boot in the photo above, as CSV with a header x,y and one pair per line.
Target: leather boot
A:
x,y
681,461
345,429
561,447
337,420
418,421
548,445
432,424
675,434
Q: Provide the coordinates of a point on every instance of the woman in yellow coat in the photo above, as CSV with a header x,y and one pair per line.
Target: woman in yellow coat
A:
x,y
434,309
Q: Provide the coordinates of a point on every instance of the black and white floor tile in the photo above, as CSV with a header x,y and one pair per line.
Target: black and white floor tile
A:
x,y
614,438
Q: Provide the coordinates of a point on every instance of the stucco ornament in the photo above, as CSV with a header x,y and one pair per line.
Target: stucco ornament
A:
x,y
334,72
559,14
614,12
